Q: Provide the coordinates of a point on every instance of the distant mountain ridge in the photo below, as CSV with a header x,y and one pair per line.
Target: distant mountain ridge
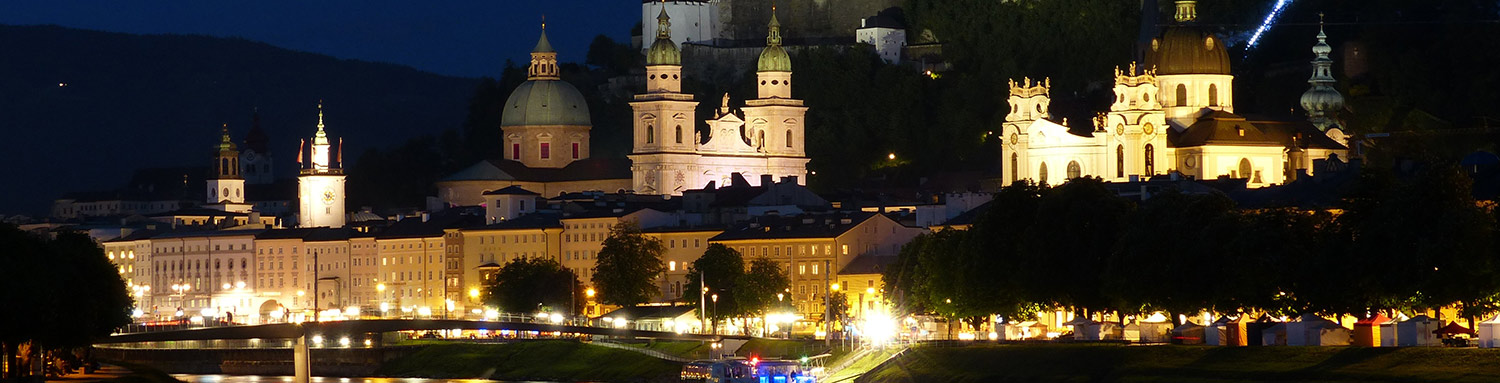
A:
x,y
81,110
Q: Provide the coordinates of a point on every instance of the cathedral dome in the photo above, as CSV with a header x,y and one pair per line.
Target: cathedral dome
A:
x,y
1188,50
545,102
1322,99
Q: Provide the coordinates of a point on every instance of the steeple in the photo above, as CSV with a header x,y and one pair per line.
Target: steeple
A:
x,y
320,148
227,161
663,51
543,58
225,143
1187,11
774,69
1322,100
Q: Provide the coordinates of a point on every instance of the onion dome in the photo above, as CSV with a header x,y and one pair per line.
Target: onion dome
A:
x,y
1186,48
663,51
774,57
225,144
1321,100
544,99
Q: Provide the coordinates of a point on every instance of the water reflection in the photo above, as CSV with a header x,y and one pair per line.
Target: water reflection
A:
x,y
321,379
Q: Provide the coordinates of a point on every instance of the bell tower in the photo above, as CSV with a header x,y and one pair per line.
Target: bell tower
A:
x,y
226,189
774,121
320,187
664,156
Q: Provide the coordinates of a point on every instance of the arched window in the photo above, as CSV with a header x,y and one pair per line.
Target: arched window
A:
x,y
1074,171
1041,173
1150,160
788,138
1120,161
679,134
762,142
1014,168
226,193
223,166
1181,95
1244,168
1213,94
650,134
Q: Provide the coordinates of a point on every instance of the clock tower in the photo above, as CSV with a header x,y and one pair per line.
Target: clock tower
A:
x,y
320,187
226,189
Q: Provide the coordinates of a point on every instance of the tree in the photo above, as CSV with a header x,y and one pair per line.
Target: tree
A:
x,y
722,268
35,273
757,289
1077,225
627,267
529,284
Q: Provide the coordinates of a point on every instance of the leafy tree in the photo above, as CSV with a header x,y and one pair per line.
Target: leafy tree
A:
x,y
1077,225
722,268
1166,252
757,289
528,284
626,269
36,273
838,308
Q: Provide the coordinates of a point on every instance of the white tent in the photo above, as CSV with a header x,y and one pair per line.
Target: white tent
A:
x,y
1156,329
1417,331
1080,327
1102,331
1274,335
1489,332
1023,330
1388,333
1313,330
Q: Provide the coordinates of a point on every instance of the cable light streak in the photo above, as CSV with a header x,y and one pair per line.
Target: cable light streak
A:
x,y
1270,18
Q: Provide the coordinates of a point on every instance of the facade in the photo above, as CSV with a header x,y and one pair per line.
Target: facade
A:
x,y
885,34
320,188
765,137
813,247
1176,115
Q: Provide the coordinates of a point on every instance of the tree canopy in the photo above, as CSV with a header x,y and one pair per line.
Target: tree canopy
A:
x,y
626,268
526,285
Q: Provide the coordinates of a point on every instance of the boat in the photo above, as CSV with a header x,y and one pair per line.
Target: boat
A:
x,y
742,370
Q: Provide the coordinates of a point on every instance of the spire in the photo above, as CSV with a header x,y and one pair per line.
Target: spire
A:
x,y
225,143
543,58
1322,100
320,137
774,37
1187,11
663,51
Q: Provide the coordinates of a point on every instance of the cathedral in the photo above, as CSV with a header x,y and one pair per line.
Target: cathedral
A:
x,y
1175,115
546,128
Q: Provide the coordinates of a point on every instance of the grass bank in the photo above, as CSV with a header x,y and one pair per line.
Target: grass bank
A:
x,y
556,360
1119,363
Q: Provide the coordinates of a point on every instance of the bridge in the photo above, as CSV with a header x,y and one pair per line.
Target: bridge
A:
x,y
301,333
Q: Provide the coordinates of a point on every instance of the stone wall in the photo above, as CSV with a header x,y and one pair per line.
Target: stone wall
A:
x,y
352,362
800,19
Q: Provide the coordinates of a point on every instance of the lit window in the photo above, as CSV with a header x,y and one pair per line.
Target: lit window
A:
x,y
672,266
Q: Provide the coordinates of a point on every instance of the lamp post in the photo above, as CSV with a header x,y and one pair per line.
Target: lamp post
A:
x,y
380,294
716,314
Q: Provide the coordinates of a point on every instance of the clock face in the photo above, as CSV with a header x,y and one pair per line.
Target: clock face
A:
x,y
1148,129
1014,139
328,196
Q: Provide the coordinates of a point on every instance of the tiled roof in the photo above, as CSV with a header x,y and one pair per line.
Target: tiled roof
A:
x,y
801,226
596,168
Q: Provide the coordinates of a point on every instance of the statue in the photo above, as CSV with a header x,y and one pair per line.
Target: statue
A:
x,y
724,110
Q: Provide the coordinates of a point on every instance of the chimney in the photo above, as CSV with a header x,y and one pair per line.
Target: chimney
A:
x,y
767,180
426,216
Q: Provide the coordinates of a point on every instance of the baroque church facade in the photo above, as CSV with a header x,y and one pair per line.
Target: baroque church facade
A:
x,y
766,137
1175,114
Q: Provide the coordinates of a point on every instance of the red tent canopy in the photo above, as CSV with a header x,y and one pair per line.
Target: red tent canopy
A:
x,y
1454,329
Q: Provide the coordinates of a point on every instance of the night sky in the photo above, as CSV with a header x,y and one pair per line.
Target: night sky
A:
x,y
459,38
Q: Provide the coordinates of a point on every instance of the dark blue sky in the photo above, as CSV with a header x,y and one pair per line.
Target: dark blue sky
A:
x,y
463,38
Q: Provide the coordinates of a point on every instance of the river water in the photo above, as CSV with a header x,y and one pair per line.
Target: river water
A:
x,y
319,379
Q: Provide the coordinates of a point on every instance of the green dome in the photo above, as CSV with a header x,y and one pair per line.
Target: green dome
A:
x,y
663,52
774,59
1188,49
545,102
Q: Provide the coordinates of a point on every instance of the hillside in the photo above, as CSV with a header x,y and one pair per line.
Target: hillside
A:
x,y
134,101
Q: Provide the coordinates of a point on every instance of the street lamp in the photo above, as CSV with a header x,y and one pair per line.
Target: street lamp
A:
x,y
380,293
716,313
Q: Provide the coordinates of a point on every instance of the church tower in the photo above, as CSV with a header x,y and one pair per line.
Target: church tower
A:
x,y
255,159
1322,101
774,120
320,187
226,189
664,155
1136,126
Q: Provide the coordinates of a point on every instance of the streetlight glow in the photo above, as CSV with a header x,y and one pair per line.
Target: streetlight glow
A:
x,y
473,293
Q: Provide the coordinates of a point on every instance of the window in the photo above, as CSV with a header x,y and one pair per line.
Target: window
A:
x,y
1074,171
788,138
1213,95
515,152
679,134
575,150
1150,160
546,150
650,134
815,269
801,269
672,266
1120,161
1041,173
846,249
1244,168
1014,167
1181,95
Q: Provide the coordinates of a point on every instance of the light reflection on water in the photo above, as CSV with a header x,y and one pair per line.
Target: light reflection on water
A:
x,y
321,379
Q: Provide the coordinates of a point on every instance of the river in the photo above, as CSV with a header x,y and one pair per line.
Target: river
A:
x,y
319,379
